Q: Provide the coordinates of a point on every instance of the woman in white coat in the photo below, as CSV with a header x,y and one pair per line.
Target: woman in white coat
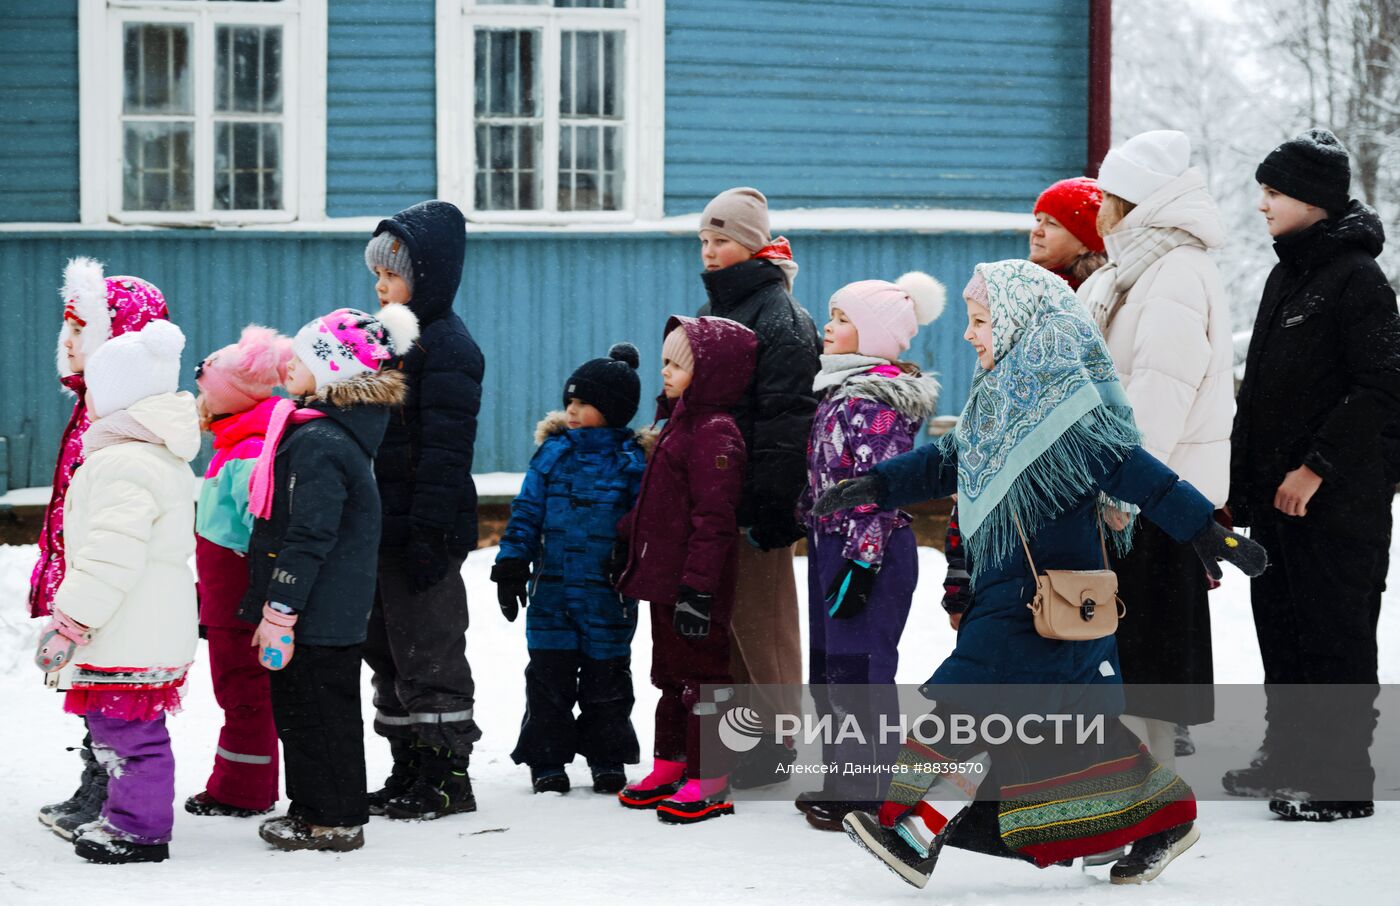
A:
x,y
124,625
1161,305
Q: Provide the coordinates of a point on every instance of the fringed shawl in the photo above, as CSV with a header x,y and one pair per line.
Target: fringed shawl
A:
x,y
1032,424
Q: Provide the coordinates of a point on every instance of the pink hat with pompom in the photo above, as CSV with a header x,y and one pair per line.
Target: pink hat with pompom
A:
x,y
887,315
243,374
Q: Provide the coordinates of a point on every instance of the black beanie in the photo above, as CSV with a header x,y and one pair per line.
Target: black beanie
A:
x,y
611,385
1313,168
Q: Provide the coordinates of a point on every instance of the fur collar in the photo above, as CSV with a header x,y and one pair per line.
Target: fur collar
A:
x,y
373,388
911,395
556,422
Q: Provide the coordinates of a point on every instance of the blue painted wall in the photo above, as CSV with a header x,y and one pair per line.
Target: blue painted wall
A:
x,y
39,107
538,305
875,103
864,103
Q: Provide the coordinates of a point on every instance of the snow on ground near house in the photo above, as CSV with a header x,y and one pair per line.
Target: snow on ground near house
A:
x,y
584,848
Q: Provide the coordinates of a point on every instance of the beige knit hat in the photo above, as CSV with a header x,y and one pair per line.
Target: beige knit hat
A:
x,y
677,349
742,215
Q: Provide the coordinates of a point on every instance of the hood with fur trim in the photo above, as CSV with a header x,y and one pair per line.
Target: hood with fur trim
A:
x,y
105,307
913,395
556,422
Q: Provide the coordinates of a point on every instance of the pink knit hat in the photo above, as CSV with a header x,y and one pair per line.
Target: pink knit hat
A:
x,y
887,315
347,342
243,374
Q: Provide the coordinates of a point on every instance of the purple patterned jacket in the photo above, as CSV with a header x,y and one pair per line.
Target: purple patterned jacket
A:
x,y
874,414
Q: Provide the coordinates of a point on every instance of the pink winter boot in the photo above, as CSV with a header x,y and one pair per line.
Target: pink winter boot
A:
x,y
699,800
664,780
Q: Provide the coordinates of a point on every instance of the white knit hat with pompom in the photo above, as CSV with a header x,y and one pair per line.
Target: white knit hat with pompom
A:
x,y
134,366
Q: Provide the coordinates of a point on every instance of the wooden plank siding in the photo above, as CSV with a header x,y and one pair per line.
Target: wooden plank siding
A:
x,y
538,304
39,107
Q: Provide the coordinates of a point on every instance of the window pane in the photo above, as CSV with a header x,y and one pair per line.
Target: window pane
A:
x,y
156,69
247,166
566,73
586,82
613,49
248,69
590,4
507,178
507,72
158,172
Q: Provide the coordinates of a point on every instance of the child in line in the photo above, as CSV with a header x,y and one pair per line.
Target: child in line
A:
x,y
123,630
236,403
681,541
1309,477
583,478
424,695
95,309
863,563
312,569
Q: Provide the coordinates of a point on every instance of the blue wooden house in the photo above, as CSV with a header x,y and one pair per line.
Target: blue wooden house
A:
x,y
238,155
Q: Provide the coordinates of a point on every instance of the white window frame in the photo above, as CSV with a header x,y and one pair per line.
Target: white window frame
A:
x,y
100,86
644,105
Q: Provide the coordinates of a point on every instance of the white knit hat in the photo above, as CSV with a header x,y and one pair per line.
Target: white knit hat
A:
x,y
1145,163
133,366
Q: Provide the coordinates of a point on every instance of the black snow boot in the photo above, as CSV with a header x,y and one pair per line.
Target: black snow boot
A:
x,y
608,778
401,775
88,811
48,814
549,779
1258,781
1152,854
292,834
805,801
764,765
1300,808
102,846
887,845
442,788
1183,744
206,805
828,815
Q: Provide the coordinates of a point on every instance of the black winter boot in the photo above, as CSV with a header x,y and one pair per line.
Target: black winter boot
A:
x,y
442,788
1298,807
104,847
549,779
48,814
401,775
1258,781
887,845
88,810
1152,854
763,766
206,805
608,778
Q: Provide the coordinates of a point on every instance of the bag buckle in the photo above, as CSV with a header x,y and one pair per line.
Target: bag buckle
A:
x,y
1086,609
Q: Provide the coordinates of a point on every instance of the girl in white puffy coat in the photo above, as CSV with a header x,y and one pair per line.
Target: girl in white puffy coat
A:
x,y
1162,308
124,624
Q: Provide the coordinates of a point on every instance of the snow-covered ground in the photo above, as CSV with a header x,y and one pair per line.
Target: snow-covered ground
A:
x,y
583,848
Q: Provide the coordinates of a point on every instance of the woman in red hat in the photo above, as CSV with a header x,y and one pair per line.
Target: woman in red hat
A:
x,y
1065,240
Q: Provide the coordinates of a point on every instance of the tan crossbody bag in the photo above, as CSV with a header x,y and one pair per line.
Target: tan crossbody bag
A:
x,y
1074,605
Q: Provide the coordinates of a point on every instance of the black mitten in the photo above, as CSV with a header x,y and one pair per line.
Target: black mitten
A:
x,y
850,591
1219,543
427,559
851,493
692,619
775,525
512,578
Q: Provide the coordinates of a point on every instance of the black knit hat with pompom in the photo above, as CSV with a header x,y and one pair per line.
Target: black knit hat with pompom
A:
x,y
611,384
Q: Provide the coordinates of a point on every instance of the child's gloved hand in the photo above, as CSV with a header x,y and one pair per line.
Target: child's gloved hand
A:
x,y
512,578
849,592
852,492
428,562
1219,543
60,638
275,637
692,619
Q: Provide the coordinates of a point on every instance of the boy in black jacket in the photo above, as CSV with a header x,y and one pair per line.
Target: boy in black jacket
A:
x,y
423,689
1308,475
311,565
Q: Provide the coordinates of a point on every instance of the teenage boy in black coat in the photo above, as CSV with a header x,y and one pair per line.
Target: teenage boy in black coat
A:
x,y
1309,476
423,689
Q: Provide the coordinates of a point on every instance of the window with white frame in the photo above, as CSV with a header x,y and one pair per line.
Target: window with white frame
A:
x,y
202,110
551,110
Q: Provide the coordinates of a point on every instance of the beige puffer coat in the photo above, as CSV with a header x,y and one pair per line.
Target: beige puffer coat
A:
x,y
1163,310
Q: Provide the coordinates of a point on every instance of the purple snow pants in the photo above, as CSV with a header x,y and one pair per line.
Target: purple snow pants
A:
x,y
140,776
853,661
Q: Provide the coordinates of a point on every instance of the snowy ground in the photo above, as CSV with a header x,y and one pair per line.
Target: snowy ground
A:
x,y
583,848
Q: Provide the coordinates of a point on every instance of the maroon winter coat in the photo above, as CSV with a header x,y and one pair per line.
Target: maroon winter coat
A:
x,y
682,530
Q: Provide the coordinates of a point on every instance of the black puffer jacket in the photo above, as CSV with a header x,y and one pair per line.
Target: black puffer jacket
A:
x,y
775,414
318,552
425,463
1322,379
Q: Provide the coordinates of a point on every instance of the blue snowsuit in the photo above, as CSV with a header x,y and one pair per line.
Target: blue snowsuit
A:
x,y
577,627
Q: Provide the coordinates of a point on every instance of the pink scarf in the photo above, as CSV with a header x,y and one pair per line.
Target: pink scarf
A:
x,y
261,483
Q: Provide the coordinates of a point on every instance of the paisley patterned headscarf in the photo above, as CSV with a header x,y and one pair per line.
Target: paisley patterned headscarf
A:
x,y
1050,404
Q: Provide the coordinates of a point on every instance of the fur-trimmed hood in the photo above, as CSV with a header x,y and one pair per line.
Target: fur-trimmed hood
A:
x,y
913,395
106,307
556,423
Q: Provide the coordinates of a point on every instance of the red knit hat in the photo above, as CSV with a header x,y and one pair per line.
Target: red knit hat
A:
x,y
1075,204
